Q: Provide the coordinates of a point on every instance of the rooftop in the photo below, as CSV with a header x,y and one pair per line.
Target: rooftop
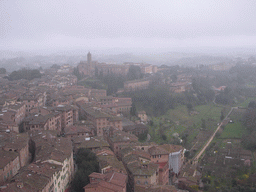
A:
x,y
137,169
50,147
95,142
121,136
6,157
31,181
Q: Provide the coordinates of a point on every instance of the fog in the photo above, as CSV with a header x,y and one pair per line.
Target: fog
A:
x,y
144,25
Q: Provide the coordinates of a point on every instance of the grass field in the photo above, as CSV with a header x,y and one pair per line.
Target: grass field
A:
x,y
246,102
233,131
180,121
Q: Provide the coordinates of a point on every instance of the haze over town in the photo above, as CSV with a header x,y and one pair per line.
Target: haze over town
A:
x,y
155,26
129,96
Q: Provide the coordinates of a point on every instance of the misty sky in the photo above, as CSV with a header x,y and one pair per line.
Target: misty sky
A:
x,y
53,24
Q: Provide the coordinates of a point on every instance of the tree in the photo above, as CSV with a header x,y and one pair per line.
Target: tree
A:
x,y
203,124
77,74
249,119
164,137
252,105
28,74
189,106
96,72
222,115
133,110
55,66
174,78
134,73
151,123
143,136
2,70
87,163
248,141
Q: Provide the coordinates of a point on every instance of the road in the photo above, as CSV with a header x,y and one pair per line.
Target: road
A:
x,y
195,161
197,157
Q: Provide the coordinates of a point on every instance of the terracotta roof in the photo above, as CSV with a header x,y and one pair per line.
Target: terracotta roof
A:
x,y
116,178
50,147
97,175
137,169
157,150
121,136
7,157
112,162
75,129
92,187
31,181
95,142
164,149
112,182
156,188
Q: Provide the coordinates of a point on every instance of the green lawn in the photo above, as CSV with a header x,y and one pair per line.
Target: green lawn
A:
x,y
246,102
233,131
179,120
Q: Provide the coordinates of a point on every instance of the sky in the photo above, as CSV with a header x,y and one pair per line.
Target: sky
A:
x,y
139,24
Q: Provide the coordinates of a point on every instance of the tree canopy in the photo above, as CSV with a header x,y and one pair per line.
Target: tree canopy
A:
x,y
134,73
2,70
86,164
27,74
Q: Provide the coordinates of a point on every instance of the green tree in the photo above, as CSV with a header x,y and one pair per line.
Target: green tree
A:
x,y
252,105
133,110
2,70
222,115
87,163
28,74
189,106
134,73
55,66
77,74
96,72
174,78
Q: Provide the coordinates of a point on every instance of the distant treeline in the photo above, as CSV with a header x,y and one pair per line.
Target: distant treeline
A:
x,y
27,74
157,99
